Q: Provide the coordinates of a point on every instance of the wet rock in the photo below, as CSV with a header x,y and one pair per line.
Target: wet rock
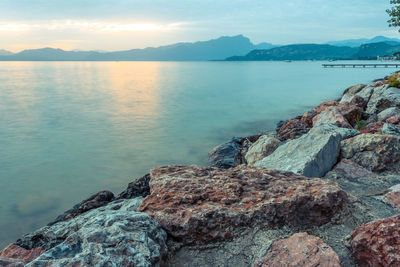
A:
x,y
138,188
351,170
374,127
377,243
390,129
387,113
97,200
112,235
394,119
292,129
19,253
264,146
383,98
375,152
312,155
223,156
300,249
198,205
245,144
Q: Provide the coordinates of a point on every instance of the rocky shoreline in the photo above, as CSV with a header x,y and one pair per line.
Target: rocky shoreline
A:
x,y
323,191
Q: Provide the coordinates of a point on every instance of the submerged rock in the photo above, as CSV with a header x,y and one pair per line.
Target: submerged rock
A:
x,y
112,235
375,152
97,200
377,243
312,155
300,249
263,147
196,205
223,156
138,188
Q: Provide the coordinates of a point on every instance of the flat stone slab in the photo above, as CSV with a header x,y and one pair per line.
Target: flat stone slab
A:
x,y
202,204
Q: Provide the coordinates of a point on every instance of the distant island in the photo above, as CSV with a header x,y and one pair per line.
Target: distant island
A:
x,y
230,48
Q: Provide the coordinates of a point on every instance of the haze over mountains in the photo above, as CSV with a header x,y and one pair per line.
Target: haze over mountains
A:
x,y
238,48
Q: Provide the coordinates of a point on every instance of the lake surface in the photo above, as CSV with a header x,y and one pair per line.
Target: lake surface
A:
x,y
70,129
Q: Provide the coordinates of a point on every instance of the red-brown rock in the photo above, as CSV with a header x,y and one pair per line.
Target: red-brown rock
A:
x,y
300,249
308,116
292,129
394,119
333,116
375,127
377,243
16,252
393,196
201,204
351,170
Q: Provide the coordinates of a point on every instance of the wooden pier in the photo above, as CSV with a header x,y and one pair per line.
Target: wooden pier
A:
x,y
383,65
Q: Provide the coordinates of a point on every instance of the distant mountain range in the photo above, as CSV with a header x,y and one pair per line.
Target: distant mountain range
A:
x,y
230,48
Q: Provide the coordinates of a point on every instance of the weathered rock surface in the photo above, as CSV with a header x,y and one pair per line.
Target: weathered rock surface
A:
x,y
373,127
97,200
328,128
292,129
377,243
364,92
382,98
223,156
390,129
138,188
245,144
263,147
342,115
197,205
19,253
393,196
10,262
351,91
351,170
300,249
112,235
387,113
394,119
375,152
312,155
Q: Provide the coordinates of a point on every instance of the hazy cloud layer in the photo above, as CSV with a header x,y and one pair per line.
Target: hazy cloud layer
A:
x,y
124,24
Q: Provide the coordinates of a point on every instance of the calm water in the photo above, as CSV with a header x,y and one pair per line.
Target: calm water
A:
x,y
70,129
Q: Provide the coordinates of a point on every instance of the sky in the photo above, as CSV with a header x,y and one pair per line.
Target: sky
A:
x,y
125,24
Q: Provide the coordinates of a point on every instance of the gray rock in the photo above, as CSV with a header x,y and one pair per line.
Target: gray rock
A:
x,y
382,98
387,113
328,128
112,235
390,129
312,155
350,92
223,156
263,147
375,152
9,262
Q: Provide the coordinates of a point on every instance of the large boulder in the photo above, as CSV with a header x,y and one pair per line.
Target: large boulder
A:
x,y
292,129
343,115
97,200
308,117
393,196
300,249
201,204
382,98
263,147
351,170
312,155
387,113
223,156
351,94
112,235
16,252
377,243
375,152
373,127
394,120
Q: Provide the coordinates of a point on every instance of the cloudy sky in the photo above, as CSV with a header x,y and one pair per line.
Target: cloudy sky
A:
x,y
124,24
